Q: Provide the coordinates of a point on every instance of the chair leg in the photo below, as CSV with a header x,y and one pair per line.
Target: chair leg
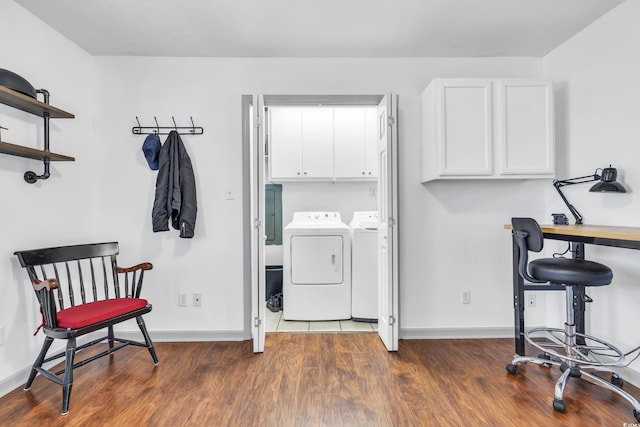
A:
x,y
110,336
38,363
147,339
67,381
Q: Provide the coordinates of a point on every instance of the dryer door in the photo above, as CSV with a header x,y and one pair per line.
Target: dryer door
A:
x,y
316,260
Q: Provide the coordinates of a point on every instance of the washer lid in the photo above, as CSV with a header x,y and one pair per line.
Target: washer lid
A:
x,y
365,219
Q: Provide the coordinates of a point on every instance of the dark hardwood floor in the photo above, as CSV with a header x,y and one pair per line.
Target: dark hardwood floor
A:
x,y
315,380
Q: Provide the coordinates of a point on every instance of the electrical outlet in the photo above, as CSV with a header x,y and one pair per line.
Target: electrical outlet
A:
x,y
197,299
531,300
1,335
465,296
182,299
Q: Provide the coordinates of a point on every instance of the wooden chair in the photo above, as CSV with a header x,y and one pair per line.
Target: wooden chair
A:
x,y
80,291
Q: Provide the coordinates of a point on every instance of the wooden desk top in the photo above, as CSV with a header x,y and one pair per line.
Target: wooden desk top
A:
x,y
588,230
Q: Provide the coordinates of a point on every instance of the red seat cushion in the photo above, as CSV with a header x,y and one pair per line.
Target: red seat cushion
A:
x,y
97,311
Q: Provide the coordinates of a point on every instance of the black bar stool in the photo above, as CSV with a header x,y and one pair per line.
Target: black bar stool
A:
x,y
576,354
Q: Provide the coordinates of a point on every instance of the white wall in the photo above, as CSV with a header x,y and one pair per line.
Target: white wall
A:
x,y
438,223
52,212
598,72
451,234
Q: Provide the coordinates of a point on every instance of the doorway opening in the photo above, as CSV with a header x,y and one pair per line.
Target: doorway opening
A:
x,y
319,180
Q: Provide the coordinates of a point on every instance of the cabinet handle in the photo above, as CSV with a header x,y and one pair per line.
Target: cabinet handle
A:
x,y
298,173
369,173
362,172
305,173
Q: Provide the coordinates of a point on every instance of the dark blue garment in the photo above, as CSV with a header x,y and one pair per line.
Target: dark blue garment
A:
x,y
151,149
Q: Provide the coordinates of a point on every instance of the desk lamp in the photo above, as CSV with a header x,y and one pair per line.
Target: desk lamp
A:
x,y
607,183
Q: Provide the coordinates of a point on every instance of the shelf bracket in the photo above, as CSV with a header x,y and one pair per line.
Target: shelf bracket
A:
x,y
30,176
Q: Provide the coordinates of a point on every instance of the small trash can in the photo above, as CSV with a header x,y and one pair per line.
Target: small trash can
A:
x,y
273,280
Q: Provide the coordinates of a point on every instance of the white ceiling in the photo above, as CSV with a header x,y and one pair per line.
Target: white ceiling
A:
x,y
319,28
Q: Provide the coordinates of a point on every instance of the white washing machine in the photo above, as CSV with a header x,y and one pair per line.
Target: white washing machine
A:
x,y
316,267
364,266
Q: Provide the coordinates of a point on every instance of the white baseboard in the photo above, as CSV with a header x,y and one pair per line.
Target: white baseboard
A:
x,y
455,333
185,336
15,381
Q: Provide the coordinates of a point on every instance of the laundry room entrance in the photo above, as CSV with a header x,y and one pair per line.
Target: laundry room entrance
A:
x,y
320,210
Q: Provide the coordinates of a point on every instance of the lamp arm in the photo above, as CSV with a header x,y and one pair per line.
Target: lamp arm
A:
x,y
558,184
579,180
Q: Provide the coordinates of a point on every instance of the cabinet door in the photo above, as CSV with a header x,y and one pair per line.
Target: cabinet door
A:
x,y
349,142
285,156
464,127
371,142
317,142
525,127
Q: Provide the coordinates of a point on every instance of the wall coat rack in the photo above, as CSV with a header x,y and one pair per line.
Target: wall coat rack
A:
x,y
164,130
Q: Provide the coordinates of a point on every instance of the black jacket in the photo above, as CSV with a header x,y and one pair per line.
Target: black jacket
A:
x,y
175,189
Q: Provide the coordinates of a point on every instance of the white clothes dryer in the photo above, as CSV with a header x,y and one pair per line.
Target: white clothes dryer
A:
x,y
364,266
316,267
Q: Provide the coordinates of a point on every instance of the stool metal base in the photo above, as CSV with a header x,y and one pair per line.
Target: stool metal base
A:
x,y
578,356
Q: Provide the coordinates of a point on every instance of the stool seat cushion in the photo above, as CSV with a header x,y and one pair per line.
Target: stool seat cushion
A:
x,y
97,311
565,271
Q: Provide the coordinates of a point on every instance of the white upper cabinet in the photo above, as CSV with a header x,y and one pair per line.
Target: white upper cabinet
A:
x,y
525,127
285,150
317,142
301,143
322,143
355,142
487,129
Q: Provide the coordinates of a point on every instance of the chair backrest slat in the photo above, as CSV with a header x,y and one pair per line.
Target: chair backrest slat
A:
x,y
116,283
60,293
83,293
139,285
94,286
72,297
105,281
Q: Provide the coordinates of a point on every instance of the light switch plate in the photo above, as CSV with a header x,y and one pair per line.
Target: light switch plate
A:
x,y
229,194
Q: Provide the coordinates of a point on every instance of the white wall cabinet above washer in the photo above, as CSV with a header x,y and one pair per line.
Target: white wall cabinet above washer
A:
x,y
355,142
301,143
323,143
487,129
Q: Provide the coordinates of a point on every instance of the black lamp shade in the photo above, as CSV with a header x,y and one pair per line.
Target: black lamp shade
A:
x,y
608,182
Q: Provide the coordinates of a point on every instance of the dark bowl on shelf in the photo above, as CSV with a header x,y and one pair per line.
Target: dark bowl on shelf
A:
x,y
15,82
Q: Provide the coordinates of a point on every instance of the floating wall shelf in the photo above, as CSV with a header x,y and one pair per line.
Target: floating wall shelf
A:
x,y
26,103
32,153
43,109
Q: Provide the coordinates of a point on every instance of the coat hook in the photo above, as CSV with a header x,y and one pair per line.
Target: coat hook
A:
x,y
1,132
175,126
157,126
193,125
138,122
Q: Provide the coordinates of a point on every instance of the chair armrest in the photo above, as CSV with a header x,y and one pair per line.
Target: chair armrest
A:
x,y
136,279
48,284
142,266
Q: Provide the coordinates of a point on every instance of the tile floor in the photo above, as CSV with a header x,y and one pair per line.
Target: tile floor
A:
x,y
275,323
